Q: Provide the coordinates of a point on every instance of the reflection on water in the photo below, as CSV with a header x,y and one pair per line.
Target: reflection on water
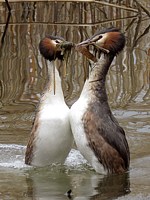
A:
x,y
54,182
23,74
116,185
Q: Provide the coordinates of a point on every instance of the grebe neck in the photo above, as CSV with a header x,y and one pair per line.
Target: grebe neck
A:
x,y
97,77
53,89
100,69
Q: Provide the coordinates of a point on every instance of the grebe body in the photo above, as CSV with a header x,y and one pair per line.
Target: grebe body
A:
x,y
97,133
51,137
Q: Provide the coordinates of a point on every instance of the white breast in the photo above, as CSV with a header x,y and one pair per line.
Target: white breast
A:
x,y
53,137
76,113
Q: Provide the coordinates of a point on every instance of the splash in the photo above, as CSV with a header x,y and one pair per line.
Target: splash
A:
x,y
75,158
12,156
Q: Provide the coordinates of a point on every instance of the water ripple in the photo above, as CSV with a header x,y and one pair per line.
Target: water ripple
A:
x,y
12,156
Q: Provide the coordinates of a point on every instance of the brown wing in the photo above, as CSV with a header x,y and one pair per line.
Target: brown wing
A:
x,y
30,145
107,140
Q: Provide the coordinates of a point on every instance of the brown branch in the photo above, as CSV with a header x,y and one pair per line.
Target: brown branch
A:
x,y
116,6
6,27
8,6
146,31
145,10
87,1
73,24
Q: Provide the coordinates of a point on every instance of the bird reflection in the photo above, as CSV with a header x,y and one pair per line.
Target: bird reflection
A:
x,y
47,184
112,187
52,184
101,187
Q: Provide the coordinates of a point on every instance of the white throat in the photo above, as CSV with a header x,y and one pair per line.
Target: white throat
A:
x,y
53,90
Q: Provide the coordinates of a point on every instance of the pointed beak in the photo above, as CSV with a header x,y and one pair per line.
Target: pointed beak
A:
x,y
85,43
88,42
82,48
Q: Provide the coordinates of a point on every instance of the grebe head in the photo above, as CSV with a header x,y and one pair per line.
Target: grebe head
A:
x,y
52,47
109,41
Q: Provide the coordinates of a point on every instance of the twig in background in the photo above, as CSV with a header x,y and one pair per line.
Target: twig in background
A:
x,y
145,10
6,27
8,6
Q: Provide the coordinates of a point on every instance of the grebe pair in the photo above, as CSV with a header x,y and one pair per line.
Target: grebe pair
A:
x,y
96,132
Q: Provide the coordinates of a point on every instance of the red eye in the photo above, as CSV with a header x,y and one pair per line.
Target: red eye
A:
x,y
100,37
57,41
96,38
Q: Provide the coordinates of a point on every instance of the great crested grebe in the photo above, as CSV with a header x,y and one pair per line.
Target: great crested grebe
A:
x,y
51,138
97,133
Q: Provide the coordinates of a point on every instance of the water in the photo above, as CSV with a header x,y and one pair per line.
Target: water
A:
x,y
19,181
23,76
